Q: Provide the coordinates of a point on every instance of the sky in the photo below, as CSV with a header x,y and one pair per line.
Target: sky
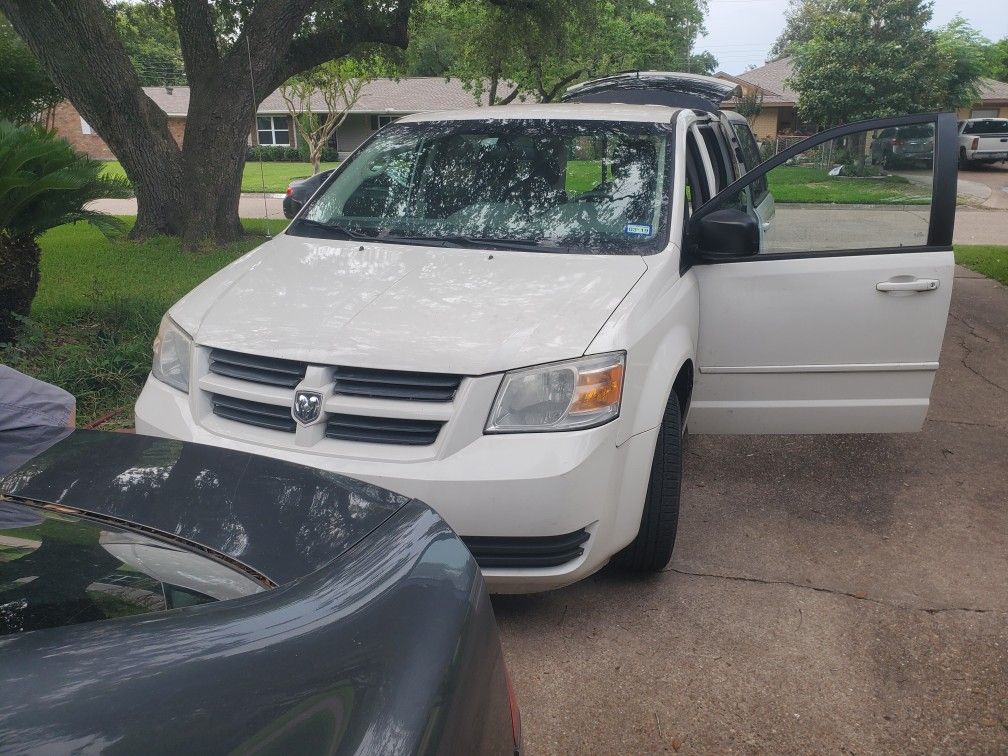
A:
x,y
740,32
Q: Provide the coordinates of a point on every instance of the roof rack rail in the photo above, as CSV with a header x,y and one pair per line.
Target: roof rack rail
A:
x,y
669,88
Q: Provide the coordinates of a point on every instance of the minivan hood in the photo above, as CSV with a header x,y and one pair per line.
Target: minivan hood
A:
x,y
403,307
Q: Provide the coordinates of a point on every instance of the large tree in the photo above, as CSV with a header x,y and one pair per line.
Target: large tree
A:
x,y
875,58
235,53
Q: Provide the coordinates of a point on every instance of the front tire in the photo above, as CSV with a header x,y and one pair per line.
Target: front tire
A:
x,y
651,550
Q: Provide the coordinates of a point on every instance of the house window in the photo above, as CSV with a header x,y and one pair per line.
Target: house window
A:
x,y
85,127
984,113
377,121
273,130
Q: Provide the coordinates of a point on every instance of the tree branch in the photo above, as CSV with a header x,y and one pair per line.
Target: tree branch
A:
x,y
341,39
197,38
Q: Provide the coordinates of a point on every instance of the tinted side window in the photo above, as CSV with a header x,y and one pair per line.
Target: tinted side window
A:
x,y
750,158
987,127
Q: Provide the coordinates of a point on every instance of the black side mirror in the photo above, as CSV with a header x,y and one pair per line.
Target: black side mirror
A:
x,y
728,233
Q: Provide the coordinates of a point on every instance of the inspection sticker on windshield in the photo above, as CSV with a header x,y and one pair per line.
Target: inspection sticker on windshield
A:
x,y
637,229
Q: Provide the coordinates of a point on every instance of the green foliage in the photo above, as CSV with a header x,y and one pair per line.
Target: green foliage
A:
x,y
25,88
875,58
99,305
996,60
273,154
544,47
149,35
961,55
749,105
44,183
799,21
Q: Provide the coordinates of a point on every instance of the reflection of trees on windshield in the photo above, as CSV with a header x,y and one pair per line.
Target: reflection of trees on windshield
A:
x,y
584,186
252,508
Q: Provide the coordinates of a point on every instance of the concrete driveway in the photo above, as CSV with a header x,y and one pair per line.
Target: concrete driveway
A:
x,y
987,183
828,594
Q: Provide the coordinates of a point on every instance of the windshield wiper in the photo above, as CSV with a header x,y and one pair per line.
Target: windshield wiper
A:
x,y
470,241
336,228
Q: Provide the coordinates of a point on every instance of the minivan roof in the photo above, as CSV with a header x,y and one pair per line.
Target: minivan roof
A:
x,y
561,111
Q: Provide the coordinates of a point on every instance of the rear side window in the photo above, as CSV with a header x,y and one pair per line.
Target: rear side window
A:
x,y
58,569
998,126
750,158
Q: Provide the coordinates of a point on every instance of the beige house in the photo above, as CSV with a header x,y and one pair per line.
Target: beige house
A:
x,y
380,102
779,116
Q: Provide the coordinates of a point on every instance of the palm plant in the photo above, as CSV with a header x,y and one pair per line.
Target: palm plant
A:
x,y
43,183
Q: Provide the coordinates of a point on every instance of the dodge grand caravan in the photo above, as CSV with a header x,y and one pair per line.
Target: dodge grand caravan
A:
x,y
512,312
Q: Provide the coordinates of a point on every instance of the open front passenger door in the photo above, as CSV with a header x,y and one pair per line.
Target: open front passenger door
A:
x,y
831,319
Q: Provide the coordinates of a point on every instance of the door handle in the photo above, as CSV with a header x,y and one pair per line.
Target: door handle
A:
x,y
919,284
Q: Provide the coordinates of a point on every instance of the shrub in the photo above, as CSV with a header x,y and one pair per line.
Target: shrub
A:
x,y
43,183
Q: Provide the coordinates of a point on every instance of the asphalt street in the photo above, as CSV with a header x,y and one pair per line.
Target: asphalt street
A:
x,y
828,593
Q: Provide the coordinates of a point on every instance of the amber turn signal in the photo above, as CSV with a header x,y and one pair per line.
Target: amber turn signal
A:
x,y
598,389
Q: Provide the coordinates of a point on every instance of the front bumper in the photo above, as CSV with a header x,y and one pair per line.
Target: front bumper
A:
x,y
498,486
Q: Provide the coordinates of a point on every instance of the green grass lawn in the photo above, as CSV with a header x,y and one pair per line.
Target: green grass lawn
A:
x,y
101,299
790,183
990,260
277,175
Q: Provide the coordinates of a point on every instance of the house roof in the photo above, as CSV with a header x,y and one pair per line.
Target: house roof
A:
x,y
771,78
397,96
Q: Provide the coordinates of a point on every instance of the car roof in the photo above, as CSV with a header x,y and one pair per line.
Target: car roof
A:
x,y
281,519
559,111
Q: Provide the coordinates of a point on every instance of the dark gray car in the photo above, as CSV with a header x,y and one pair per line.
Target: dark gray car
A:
x,y
300,191
158,596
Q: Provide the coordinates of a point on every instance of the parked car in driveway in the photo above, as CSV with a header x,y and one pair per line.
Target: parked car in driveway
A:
x,y
983,140
513,312
300,191
903,145
158,596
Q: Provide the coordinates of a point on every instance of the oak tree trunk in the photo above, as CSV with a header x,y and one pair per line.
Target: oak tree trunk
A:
x,y
190,190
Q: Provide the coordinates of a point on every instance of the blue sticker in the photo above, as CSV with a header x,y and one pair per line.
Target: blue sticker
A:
x,y
637,229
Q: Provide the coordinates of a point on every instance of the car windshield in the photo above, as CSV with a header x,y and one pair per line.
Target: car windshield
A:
x,y
548,185
986,127
59,569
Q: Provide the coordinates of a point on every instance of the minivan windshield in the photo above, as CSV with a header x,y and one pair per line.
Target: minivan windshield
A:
x,y
545,185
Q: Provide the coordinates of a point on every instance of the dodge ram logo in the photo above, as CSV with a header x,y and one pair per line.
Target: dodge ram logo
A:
x,y
307,406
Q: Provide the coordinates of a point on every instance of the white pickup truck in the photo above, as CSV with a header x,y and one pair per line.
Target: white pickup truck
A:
x,y
512,313
983,140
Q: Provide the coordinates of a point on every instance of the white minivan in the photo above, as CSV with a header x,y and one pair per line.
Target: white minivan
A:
x,y
512,312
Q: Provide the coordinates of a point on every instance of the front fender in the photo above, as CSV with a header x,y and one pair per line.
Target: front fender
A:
x,y
657,325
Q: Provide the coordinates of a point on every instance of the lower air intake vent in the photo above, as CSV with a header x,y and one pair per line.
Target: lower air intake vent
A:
x,y
253,413
546,551
383,430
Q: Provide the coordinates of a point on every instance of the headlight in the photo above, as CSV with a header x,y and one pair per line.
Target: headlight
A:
x,y
569,395
172,349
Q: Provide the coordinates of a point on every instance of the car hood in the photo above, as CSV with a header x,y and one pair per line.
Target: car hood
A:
x,y
404,307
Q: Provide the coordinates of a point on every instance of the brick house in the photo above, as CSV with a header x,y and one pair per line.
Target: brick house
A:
x,y
381,101
779,116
